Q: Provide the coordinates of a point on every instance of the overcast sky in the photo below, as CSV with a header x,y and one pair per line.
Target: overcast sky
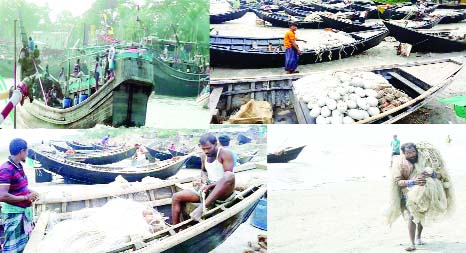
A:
x,y
75,7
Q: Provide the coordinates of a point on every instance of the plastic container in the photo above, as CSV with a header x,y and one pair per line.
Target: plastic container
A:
x,y
259,215
82,97
76,101
66,102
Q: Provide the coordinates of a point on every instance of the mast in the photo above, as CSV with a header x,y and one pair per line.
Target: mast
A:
x,y
14,73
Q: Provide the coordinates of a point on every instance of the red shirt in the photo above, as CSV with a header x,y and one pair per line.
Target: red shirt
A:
x,y
14,175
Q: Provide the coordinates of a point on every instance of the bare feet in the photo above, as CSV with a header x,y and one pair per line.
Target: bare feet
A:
x,y
420,242
411,248
197,213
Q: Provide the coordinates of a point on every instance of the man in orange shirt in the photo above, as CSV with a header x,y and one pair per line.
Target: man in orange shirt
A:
x,y
292,50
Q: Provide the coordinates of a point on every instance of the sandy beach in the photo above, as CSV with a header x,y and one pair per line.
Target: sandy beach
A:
x,y
332,197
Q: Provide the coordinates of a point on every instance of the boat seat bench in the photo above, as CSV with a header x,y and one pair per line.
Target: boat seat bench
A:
x,y
408,83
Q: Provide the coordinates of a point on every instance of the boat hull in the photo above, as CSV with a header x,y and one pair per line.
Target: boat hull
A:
x,y
172,82
225,17
86,174
222,55
424,42
287,155
122,101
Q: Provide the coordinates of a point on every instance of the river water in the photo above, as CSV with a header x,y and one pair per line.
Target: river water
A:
x,y
162,112
383,54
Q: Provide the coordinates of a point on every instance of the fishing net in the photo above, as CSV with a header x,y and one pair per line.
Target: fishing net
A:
x,y
253,112
428,203
101,229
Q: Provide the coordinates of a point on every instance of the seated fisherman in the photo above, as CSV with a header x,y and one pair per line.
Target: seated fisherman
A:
x,y
217,178
77,70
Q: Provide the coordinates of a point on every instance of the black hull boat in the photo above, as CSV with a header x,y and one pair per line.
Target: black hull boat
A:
x,y
159,154
99,174
343,25
285,156
80,146
393,13
224,17
237,52
104,157
282,21
453,18
425,41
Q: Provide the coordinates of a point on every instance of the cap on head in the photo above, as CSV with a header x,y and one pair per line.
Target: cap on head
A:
x,y
16,145
224,140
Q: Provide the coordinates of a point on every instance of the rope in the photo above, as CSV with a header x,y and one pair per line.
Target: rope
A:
x,y
40,81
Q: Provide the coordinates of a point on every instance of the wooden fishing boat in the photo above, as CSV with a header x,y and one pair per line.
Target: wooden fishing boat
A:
x,y
452,6
238,52
413,78
224,17
159,154
328,8
278,20
80,146
170,80
105,157
285,155
175,153
103,174
346,26
294,11
454,17
121,101
393,13
355,26
242,159
188,236
426,41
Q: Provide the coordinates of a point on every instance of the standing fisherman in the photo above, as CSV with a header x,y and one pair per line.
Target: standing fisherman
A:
x,y
16,198
292,50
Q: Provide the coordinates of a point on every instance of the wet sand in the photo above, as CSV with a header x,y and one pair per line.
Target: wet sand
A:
x,y
383,54
347,217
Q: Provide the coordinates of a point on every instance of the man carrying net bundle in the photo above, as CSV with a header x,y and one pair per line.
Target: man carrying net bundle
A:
x,y
217,178
421,189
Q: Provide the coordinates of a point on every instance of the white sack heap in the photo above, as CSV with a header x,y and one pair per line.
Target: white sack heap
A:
x,y
344,97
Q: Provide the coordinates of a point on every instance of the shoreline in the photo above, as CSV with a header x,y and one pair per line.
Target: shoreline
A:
x,y
348,217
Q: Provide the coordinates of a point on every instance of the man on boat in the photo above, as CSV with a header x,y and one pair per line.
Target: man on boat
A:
x,y
31,45
224,142
141,150
395,144
77,69
36,53
16,199
61,76
292,50
97,72
172,147
217,178
104,141
410,169
184,149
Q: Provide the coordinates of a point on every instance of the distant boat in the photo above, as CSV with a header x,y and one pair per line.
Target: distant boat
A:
x,y
285,155
104,174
